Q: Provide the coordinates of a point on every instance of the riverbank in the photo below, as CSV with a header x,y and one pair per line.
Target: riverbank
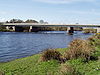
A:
x,y
32,66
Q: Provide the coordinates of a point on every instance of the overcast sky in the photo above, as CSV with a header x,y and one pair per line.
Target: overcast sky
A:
x,y
53,11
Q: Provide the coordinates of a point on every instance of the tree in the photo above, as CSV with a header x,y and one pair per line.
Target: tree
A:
x,y
7,21
77,23
16,21
41,21
12,21
31,21
20,21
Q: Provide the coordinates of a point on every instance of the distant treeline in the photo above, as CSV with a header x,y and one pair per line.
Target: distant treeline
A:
x,y
27,21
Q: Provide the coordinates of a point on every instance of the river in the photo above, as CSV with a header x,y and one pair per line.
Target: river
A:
x,y
14,45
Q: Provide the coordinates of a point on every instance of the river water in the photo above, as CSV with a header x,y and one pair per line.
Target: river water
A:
x,y
15,45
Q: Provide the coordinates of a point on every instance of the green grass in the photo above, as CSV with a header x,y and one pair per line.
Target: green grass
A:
x,y
90,68
32,66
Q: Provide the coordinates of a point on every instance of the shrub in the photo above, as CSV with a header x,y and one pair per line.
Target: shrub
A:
x,y
50,54
79,48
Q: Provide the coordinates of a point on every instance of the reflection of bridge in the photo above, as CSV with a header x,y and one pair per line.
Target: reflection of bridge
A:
x,y
31,25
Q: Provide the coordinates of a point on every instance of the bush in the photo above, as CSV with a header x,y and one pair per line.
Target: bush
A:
x,y
51,54
79,49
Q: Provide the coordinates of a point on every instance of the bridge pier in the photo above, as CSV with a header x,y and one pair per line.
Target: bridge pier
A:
x,y
70,30
12,28
7,27
98,30
30,29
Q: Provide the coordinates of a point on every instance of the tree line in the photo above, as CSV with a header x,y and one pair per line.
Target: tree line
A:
x,y
27,21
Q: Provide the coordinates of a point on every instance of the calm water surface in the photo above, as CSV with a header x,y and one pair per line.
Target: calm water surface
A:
x,y
15,45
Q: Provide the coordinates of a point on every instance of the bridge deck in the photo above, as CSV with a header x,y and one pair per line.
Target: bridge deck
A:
x,y
48,25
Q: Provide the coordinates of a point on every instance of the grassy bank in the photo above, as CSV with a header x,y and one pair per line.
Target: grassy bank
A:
x,y
33,66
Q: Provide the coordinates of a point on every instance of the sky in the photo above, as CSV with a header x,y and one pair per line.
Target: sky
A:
x,y
52,11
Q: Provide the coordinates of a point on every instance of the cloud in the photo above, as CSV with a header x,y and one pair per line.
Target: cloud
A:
x,y
63,1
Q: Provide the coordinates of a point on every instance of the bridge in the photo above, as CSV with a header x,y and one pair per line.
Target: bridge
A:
x,y
69,26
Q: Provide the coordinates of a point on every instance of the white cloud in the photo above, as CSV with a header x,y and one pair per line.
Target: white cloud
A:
x,y
63,1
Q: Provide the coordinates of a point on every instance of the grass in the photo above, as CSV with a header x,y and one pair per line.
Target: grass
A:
x,y
90,68
29,66
32,66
